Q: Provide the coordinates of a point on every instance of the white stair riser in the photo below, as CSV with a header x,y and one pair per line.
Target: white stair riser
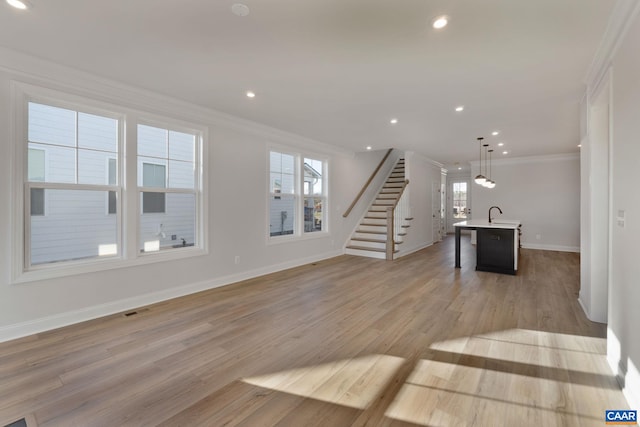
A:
x,y
369,235
373,221
358,252
372,228
374,245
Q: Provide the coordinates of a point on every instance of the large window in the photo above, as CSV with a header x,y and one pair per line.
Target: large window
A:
x,y
297,194
67,182
75,203
168,188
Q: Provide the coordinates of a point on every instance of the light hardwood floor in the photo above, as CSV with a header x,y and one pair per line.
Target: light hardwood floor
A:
x,y
347,341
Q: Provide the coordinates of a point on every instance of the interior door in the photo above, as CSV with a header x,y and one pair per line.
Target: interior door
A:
x,y
436,211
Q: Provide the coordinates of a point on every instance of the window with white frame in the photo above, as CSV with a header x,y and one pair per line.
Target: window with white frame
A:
x,y
297,194
67,151
168,188
73,186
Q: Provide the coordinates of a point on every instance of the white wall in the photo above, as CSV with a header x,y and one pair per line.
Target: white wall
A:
x,y
543,192
422,174
237,220
624,287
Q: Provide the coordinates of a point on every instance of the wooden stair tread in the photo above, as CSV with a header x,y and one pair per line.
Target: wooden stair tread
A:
x,y
365,248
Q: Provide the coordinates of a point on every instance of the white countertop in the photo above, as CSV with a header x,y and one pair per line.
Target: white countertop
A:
x,y
496,223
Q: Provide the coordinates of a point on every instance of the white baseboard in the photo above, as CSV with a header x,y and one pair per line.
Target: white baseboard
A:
x,y
412,250
631,387
584,309
558,248
23,329
628,379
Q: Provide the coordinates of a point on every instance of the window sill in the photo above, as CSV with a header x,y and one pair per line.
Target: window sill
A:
x,y
47,272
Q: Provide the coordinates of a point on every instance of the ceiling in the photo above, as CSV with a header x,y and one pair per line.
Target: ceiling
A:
x,y
337,71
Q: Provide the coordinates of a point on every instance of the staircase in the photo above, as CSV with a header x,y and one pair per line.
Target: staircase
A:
x,y
370,237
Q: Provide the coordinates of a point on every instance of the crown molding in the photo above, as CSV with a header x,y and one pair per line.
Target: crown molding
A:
x,y
623,14
532,159
425,158
36,71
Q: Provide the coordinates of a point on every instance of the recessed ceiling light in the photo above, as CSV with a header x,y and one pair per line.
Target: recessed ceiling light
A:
x,y
440,22
459,168
251,94
500,144
18,4
460,108
393,121
495,132
368,147
240,9
505,152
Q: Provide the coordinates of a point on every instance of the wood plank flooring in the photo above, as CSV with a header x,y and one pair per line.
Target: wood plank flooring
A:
x,y
343,342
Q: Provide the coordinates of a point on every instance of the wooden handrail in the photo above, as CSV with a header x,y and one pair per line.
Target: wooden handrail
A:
x,y
366,185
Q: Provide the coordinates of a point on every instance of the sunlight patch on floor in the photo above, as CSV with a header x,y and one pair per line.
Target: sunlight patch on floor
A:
x,y
507,377
544,349
349,382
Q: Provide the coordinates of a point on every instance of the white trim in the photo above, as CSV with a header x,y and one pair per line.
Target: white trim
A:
x,y
631,385
42,324
559,248
412,250
584,308
428,160
620,20
73,81
532,159
298,197
128,254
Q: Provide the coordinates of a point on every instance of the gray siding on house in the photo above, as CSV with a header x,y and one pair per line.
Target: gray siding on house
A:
x,y
77,147
75,225
178,219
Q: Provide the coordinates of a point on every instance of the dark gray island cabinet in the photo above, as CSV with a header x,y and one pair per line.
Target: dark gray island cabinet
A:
x,y
497,244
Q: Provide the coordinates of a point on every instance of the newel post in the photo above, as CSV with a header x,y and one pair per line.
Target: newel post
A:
x,y
390,246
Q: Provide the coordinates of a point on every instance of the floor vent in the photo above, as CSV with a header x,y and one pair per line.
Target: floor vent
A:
x,y
134,312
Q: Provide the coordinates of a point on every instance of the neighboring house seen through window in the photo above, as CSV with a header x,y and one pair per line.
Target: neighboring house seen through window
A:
x,y
74,161
76,145
168,186
112,197
297,194
153,176
36,172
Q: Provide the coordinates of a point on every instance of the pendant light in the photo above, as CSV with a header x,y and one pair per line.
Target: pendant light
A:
x,y
491,182
480,179
487,181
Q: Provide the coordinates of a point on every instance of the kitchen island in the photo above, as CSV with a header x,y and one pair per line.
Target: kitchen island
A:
x,y
497,244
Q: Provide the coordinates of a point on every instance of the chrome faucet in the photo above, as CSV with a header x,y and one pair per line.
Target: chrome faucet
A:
x,y
492,207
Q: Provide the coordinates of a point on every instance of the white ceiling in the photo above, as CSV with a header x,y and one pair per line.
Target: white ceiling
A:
x,y
338,70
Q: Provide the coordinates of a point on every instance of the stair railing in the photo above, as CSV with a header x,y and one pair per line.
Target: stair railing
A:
x,y
396,214
366,184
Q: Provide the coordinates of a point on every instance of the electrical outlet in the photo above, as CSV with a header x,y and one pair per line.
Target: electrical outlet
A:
x,y
537,237
237,259
174,237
